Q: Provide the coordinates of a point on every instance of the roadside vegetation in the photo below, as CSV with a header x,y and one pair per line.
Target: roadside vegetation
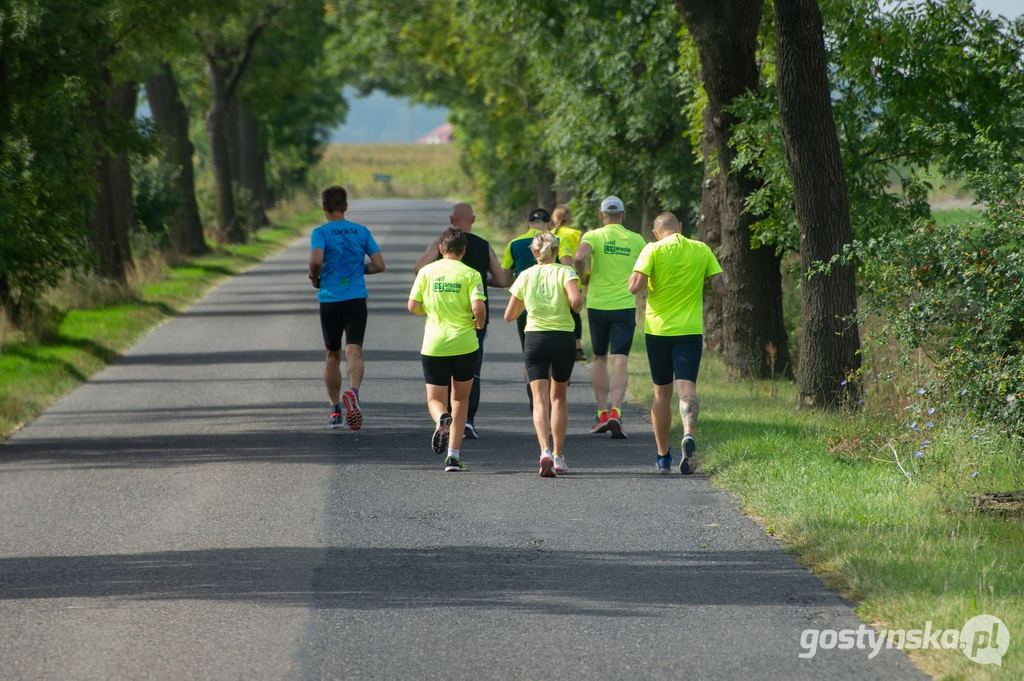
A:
x,y
410,171
85,322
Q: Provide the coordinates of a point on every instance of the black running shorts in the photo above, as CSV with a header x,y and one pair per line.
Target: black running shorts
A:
x,y
442,370
549,354
611,329
348,317
674,355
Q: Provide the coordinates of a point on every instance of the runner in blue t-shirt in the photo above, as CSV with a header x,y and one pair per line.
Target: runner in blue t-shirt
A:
x,y
337,267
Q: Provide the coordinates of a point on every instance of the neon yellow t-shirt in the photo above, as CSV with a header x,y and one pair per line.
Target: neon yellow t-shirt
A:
x,y
614,249
568,240
676,268
446,288
542,290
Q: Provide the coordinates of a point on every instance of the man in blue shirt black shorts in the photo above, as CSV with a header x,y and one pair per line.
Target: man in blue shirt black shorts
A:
x,y
337,267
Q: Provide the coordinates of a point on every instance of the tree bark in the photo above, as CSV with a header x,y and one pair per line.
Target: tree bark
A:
x,y
252,171
830,339
546,190
709,230
220,154
171,115
113,213
754,339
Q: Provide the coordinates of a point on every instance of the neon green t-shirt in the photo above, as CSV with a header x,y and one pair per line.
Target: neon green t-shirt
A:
x,y
676,268
614,249
568,240
446,288
542,290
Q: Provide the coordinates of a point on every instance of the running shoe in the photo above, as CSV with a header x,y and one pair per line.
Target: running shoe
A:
x,y
439,441
688,464
560,465
601,423
665,463
453,465
335,420
353,414
547,465
615,424
470,432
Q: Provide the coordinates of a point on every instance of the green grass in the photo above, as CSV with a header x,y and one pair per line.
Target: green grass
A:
x,y
418,171
906,551
33,374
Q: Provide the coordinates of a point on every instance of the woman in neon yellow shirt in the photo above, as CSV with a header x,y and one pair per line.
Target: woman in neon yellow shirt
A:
x,y
549,292
451,295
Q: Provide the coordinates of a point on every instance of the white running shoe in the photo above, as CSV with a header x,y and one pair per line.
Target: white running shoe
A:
x,y
560,465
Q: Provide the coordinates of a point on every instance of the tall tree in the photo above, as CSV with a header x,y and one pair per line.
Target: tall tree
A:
x,y
172,118
754,340
227,42
830,339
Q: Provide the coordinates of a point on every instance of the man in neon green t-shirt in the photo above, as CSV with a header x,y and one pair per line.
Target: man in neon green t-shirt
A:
x,y
451,295
673,269
610,252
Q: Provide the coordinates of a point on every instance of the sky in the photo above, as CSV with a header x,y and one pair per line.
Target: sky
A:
x,y
380,118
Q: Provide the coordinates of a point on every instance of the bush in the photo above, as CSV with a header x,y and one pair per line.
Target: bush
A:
x,y
956,291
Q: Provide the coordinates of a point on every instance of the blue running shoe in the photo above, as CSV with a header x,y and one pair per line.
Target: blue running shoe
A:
x,y
665,463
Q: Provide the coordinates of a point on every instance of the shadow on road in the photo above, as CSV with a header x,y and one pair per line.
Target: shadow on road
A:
x,y
527,578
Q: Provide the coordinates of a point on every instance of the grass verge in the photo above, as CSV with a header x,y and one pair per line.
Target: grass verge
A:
x,y
905,550
415,171
33,374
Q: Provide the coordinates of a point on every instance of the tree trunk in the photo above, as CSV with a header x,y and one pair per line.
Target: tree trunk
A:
x,y
709,230
220,154
829,339
647,215
170,114
546,190
754,339
252,172
113,214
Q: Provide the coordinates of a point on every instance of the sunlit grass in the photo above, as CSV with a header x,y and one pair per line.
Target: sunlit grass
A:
x,y
419,171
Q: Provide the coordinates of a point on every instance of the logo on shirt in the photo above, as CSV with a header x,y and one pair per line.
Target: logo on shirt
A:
x,y
611,249
344,231
442,286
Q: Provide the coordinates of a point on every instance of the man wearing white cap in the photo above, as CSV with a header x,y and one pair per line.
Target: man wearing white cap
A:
x,y
610,252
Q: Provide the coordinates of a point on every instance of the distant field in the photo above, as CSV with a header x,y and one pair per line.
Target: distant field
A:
x,y
417,171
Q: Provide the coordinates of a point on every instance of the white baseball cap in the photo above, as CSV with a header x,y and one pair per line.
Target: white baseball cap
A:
x,y
612,204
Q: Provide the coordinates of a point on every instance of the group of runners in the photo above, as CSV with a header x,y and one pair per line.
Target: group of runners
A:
x,y
546,269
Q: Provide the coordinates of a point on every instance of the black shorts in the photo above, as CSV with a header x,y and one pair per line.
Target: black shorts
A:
x,y
442,370
348,316
549,354
674,355
611,328
521,329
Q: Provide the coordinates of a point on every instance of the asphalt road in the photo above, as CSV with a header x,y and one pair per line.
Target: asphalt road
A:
x,y
186,514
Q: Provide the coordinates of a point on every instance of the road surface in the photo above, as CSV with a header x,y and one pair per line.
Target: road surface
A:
x,y
186,514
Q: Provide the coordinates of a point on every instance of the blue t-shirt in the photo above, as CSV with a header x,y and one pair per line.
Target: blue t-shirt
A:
x,y
345,245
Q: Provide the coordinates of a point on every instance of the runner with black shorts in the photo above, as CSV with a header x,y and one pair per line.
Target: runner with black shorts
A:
x,y
481,257
337,267
611,310
451,295
673,269
547,292
517,258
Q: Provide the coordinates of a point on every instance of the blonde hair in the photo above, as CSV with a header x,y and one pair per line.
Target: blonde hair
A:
x,y
544,246
561,216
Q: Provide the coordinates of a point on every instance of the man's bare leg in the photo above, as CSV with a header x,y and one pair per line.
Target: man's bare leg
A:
x,y
332,376
661,416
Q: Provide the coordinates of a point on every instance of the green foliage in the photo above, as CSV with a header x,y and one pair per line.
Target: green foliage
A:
x,y
46,155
